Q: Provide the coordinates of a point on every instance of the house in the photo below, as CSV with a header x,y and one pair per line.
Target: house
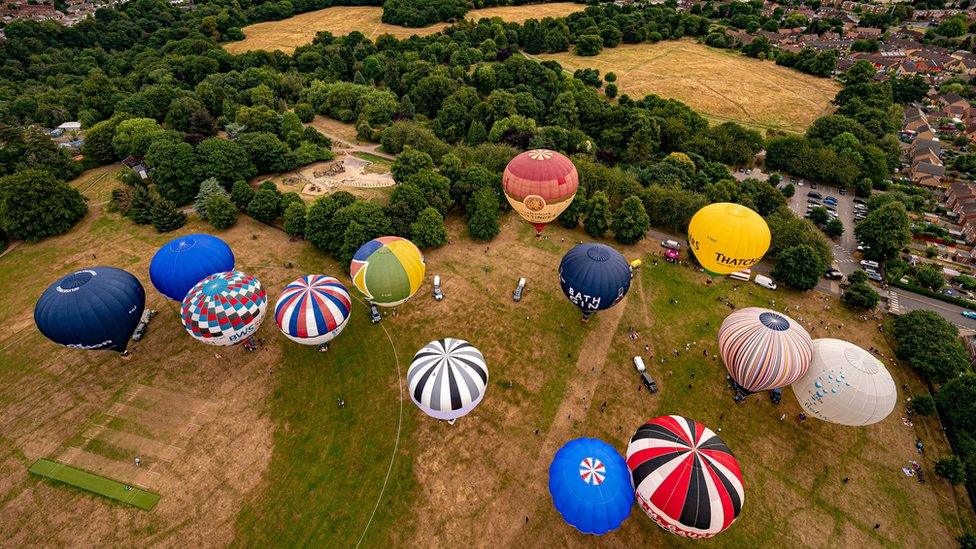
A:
x,y
961,201
70,127
135,164
927,174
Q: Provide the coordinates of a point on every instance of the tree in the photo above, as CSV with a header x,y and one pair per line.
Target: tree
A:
x,y
141,206
477,134
952,469
819,215
571,215
174,170
931,345
588,45
406,203
209,187
630,221
133,136
610,90
98,140
428,230
957,401
886,230
166,216
596,217
188,115
967,541
221,212
225,160
789,190
862,187
483,214
435,187
861,296
305,112
34,205
241,194
266,151
928,277
295,219
265,206
861,72
923,405
799,267
409,162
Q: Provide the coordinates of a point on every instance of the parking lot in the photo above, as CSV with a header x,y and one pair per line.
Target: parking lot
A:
x,y
846,246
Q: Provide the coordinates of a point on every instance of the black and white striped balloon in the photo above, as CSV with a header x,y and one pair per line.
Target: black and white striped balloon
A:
x,y
447,378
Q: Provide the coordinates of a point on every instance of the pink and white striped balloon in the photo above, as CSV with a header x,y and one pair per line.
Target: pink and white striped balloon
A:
x,y
764,349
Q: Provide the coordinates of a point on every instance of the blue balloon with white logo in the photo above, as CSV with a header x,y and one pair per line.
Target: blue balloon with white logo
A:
x,y
184,261
594,277
96,308
590,486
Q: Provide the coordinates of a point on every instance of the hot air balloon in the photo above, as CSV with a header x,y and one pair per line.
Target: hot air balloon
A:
x,y
447,378
388,270
182,262
845,384
594,277
685,477
224,308
728,237
313,309
94,308
590,486
763,349
540,184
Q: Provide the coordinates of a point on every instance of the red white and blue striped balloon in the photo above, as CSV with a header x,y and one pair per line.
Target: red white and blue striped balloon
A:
x,y
764,349
313,309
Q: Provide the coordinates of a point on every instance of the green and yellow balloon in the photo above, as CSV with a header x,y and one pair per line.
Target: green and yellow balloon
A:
x,y
388,270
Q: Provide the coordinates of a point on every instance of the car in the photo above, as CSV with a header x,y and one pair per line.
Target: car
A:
x,y
814,201
639,364
140,330
863,247
814,195
517,294
671,244
648,382
374,313
743,275
949,292
438,294
776,395
765,282
874,275
868,264
969,314
672,255
843,190
799,183
830,199
813,185
861,201
833,274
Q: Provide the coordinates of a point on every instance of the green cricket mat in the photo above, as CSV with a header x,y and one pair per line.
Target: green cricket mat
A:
x,y
102,486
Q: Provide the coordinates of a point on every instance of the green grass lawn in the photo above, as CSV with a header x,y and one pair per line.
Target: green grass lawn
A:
x,y
93,483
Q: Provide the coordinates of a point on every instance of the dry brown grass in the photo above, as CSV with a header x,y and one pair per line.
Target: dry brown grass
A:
x,y
721,84
288,34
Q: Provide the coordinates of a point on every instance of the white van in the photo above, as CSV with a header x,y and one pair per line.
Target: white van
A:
x,y
869,264
671,244
743,275
639,364
765,282
438,295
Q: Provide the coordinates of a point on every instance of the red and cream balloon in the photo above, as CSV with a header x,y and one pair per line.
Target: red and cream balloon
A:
x,y
540,184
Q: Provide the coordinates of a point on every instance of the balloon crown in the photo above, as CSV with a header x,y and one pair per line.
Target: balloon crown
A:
x,y
774,321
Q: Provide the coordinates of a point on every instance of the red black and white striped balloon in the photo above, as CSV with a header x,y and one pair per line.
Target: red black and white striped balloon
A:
x,y
685,477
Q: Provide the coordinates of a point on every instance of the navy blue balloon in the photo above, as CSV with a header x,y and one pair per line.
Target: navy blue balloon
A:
x,y
590,486
95,308
594,276
184,261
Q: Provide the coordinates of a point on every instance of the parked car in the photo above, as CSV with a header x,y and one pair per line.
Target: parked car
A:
x,y
813,185
517,294
743,275
860,201
438,295
969,314
671,244
812,194
648,382
843,190
776,395
813,200
834,274
639,364
874,275
672,255
765,282
863,247
867,264
374,313
951,293
830,200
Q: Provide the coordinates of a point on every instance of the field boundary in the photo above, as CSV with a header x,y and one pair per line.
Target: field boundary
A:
x,y
96,484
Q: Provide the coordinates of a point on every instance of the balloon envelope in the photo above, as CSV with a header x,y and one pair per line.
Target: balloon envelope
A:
x,y
313,309
388,270
763,349
182,262
94,308
686,478
728,237
224,308
590,486
845,384
594,276
447,378
540,184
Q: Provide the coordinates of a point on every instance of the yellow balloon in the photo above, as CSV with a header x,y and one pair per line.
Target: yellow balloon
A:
x,y
728,237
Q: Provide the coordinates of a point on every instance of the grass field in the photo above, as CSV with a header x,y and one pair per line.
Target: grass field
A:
x,y
721,84
251,448
288,34
93,483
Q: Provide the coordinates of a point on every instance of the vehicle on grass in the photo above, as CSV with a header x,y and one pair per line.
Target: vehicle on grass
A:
x,y
834,274
743,275
517,294
671,244
648,382
969,314
374,313
776,395
672,255
765,282
140,330
639,364
438,295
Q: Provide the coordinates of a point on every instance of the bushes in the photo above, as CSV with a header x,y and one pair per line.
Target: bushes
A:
x,y
923,405
166,217
588,45
630,221
800,267
428,231
34,205
952,469
483,214
221,212
931,345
